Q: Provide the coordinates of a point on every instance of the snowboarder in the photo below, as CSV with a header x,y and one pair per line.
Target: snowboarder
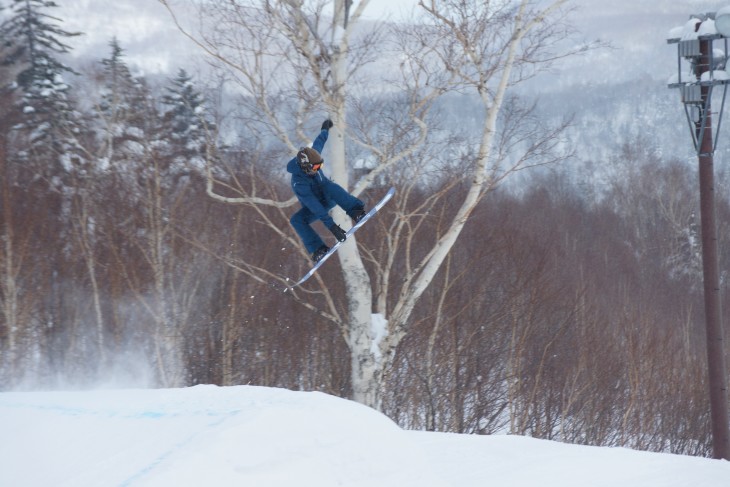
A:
x,y
318,195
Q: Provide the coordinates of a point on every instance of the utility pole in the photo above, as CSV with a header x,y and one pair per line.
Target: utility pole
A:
x,y
696,46
710,270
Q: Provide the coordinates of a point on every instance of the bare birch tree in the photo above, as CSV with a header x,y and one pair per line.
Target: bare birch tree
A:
x,y
9,258
293,58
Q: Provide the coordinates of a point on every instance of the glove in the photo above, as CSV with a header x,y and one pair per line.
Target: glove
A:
x,y
327,124
339,233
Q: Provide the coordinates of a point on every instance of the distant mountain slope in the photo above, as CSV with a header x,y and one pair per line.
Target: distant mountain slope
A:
x,y
615,92
637,28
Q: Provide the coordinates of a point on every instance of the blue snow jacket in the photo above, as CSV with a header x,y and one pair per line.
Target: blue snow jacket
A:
x,y
314,192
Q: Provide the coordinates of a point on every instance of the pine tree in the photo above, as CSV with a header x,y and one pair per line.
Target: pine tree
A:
x,y
50,119
123,98
119,82
187,128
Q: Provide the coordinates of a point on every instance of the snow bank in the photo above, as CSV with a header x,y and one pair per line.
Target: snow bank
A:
x,y
262,437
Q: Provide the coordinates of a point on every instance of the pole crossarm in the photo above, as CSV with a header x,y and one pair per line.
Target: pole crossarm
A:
x,y
697,86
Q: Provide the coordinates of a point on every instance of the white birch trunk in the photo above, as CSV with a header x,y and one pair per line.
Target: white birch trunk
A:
x,y
364,366
85,242
9,286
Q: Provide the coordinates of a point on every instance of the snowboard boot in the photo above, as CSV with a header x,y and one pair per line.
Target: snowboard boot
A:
x,y
319,253
357,213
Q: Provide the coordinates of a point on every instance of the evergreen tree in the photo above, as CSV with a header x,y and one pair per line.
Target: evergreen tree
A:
x,y
35,41
46,155
119,82
123,107
186,126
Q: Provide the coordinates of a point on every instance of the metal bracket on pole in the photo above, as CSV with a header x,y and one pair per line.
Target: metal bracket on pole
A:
x,y
703,107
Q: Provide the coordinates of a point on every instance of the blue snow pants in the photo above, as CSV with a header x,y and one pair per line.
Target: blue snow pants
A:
x,y
302,219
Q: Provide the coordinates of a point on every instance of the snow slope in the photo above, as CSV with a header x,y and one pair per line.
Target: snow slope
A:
x,y
263,437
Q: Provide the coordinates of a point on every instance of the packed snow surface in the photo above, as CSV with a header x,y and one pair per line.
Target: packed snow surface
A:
x,y
262,437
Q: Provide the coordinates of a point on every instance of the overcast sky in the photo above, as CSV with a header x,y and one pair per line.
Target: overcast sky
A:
x,y
378,8
636,28
146,31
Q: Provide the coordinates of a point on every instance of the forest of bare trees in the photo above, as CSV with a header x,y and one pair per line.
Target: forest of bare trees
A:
x,y
561,311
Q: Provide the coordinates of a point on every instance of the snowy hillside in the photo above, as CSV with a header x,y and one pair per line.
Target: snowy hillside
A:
x,y
262,437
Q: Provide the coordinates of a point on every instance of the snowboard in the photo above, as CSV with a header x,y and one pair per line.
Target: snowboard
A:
x,y
352,230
